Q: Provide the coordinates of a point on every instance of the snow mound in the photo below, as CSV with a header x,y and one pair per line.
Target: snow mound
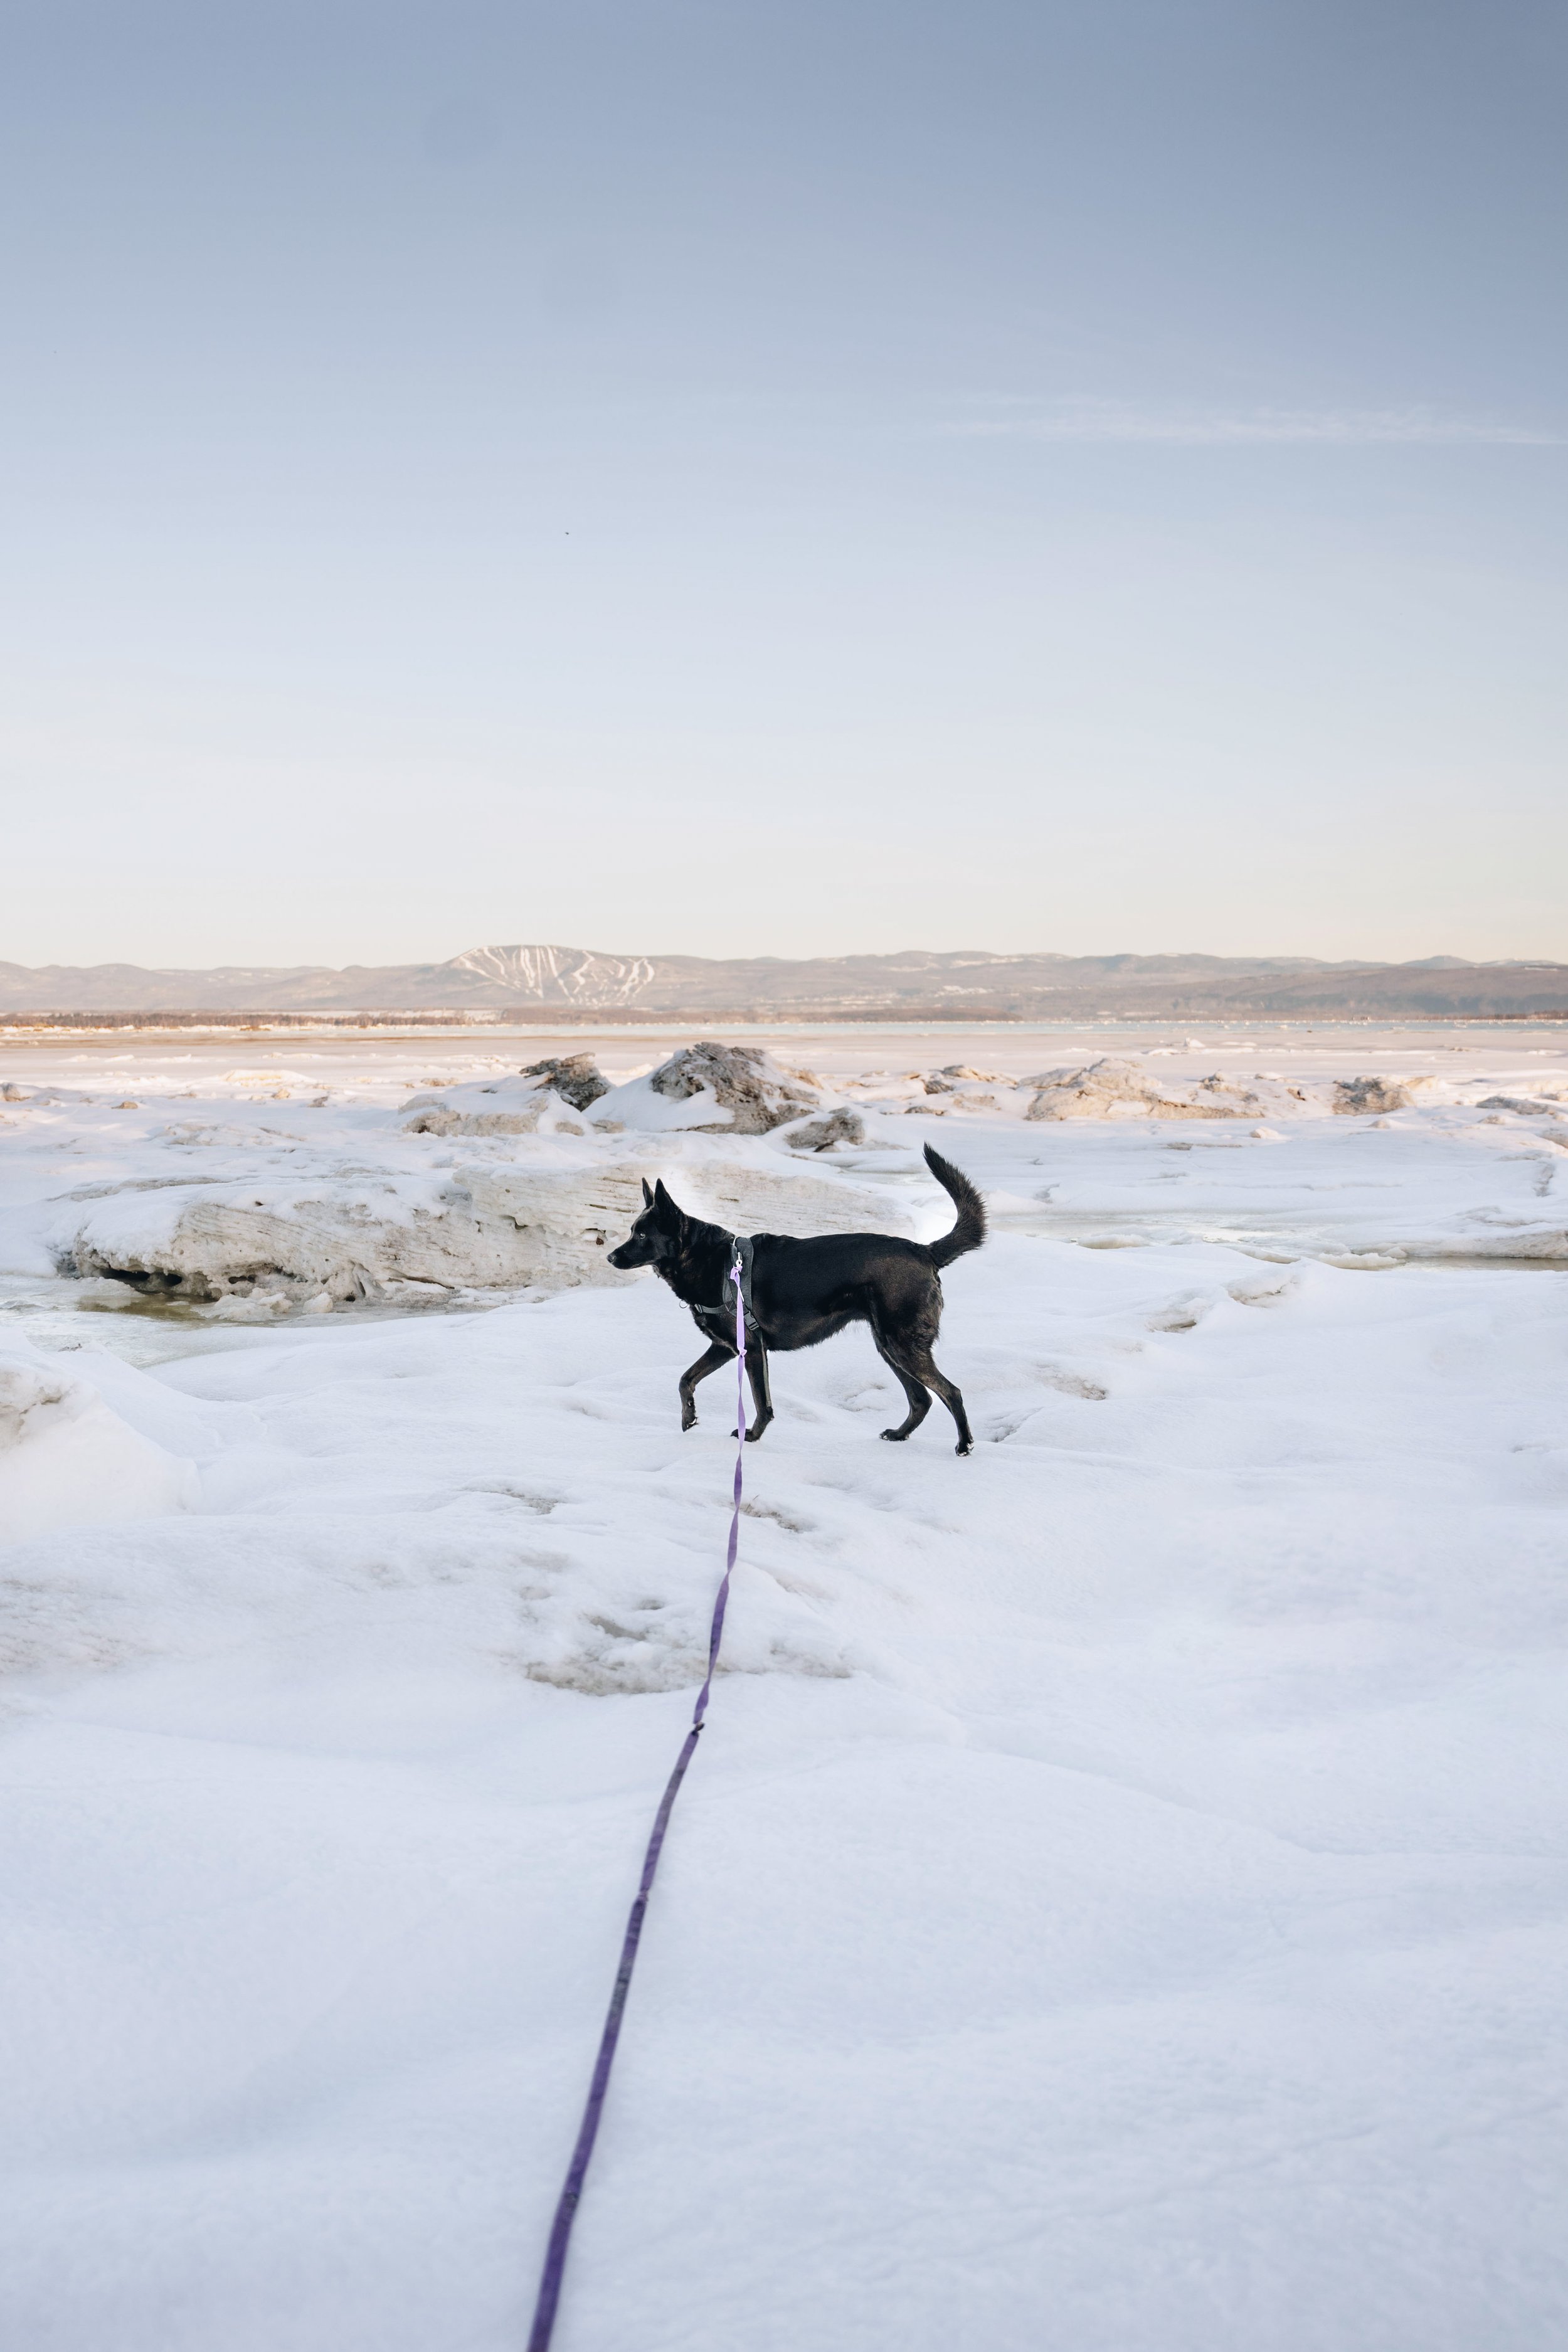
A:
x,y
539,1096
66,1458
528,1103
744,1082
1110,1088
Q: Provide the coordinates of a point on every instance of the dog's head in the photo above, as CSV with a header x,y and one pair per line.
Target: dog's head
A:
x,y
655,1235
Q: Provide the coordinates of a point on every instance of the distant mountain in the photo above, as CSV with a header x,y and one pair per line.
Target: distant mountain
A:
x,y
574,982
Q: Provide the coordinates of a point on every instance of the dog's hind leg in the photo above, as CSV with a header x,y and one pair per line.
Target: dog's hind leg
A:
x,y
762,1392
920,1402
925,1369
719,1353
913,1360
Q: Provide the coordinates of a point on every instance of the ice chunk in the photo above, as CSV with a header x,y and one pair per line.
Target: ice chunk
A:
x,y
1111,1088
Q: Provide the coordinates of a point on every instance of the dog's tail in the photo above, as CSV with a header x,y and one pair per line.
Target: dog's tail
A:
x,y
970,1231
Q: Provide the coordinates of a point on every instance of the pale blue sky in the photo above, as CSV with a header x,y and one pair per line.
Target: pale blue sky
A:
x,y
792,479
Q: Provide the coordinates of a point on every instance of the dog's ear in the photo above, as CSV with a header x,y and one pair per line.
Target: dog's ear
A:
x,y
662,1202
647,1194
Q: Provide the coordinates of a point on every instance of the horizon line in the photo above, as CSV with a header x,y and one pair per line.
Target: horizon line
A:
x,y
889,955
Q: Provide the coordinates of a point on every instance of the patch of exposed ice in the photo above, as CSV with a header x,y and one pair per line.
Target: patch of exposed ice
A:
x,y
1168,1796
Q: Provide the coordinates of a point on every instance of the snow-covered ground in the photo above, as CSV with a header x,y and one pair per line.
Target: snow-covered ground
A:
x,y
1120,1901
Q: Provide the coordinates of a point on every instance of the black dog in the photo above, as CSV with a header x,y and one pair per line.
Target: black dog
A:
x,y
804,1291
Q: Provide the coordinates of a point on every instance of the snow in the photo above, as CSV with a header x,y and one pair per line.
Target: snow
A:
x,y
1119,1901
67,1457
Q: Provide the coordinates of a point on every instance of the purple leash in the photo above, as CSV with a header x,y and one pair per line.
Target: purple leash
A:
x,y
588,2130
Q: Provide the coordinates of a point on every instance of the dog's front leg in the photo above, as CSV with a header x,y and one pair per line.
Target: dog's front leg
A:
x,y
720,1352
762,1392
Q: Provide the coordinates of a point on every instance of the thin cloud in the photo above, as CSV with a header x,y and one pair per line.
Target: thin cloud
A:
x,y
1110,420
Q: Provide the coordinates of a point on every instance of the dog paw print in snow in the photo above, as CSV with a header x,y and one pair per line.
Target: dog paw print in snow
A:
x,y
790,1521
615,1649
1184,1313
869,1397
1072,1384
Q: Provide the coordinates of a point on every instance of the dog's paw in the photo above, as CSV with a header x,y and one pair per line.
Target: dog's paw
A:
x,y
895,1436
965,1445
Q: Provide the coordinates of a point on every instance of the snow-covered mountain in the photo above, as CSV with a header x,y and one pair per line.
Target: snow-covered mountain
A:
x,y
967,982
558,976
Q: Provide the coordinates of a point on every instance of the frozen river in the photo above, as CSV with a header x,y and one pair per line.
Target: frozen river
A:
x,y
1121,1901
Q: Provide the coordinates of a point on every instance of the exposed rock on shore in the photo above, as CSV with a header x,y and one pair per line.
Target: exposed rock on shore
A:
x,y
575,1078
744,1080
1360,1097
834,1127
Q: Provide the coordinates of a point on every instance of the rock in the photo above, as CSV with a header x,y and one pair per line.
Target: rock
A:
x,y
743,1079
1356,1097
575,1078
821,1134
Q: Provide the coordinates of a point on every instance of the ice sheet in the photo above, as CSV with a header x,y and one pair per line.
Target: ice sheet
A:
x,y
1120,1901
